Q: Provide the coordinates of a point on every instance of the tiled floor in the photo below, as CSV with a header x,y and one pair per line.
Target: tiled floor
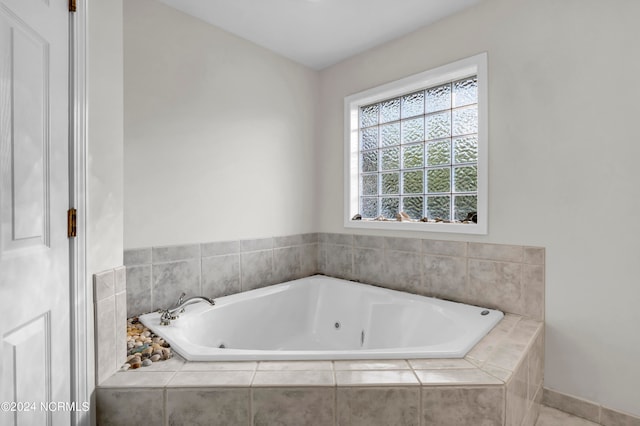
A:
x,y
552,417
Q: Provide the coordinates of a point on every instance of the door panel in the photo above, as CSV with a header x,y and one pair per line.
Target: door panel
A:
x,y
26,351
27,92
34,188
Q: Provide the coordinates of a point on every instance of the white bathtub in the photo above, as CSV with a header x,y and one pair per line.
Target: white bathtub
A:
x,y
325,318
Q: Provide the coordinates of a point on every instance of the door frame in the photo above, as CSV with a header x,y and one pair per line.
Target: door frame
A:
x,y
81,308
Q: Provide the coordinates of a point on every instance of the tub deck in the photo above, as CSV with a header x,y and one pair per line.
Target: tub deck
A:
x,y
499,382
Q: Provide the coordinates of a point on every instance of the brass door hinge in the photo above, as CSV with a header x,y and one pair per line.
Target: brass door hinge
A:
x,y
72,5
71,223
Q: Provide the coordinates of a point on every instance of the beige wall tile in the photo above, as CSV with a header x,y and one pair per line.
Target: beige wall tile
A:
x,y
294,365
498,372
257,269
536,365
338,260
211,378
371,365
517,402
220,366
105,317
256,244
445,277
611,417
122,407
120,279
403,271
286,264
141,256
457,376
496,284
288,240
369,241
309,259
138,289
120,347
552,417
220,275
534,255
533,288
212,407
293,378
444,248
173,253
571,404
455,406
170,279
103,285
378,406
341,239
219,248
436,364
498,252
293,406
507,355
142,379
368,265
376,378
403,244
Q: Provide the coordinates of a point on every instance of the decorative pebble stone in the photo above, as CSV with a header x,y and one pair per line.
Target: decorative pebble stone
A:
x,y
143,347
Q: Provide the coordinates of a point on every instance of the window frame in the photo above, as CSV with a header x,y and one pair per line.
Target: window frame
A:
x,y
474,65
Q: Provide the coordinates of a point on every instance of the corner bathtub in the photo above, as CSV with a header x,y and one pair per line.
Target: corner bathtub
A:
x,y
324,318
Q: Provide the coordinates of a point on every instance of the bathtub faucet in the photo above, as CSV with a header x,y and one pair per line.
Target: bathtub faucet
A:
x,y
166,315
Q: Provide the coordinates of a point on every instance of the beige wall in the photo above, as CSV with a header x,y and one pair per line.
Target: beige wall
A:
x,y
563,105
104,136
104,150
219,134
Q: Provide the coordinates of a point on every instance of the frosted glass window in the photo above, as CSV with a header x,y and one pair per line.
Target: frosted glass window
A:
x,y
416,151
422,148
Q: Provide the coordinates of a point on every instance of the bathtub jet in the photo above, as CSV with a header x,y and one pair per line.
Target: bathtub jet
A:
x,y
323,318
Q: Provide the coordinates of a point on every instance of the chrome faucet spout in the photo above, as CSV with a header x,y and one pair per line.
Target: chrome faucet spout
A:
x,y
166,315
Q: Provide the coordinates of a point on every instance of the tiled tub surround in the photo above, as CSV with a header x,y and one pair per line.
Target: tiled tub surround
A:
x,y
505,277
498,383
156,276
110,310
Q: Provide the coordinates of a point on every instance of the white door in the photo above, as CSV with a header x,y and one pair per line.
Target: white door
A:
x,y
34,194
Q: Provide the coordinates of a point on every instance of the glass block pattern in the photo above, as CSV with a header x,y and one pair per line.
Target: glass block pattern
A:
x,y
419,153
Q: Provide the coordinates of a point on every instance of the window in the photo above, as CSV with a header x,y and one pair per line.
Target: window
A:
x,y
416,152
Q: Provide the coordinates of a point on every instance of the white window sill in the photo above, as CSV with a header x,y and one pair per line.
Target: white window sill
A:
x,y
454,228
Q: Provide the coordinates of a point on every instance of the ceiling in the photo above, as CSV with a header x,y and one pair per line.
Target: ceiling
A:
x,y
319,33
